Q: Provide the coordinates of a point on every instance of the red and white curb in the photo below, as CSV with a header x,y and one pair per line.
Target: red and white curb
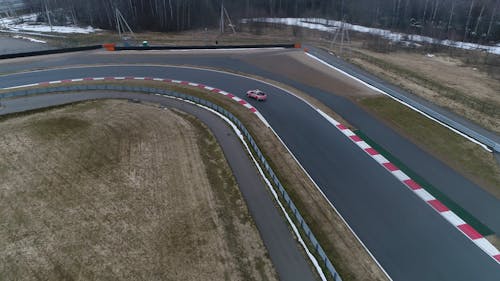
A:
x,y
184,83
450,216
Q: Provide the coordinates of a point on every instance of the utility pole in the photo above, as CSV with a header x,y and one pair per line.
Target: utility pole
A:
x,y
121,23
222,18
48,16
343,31
223,12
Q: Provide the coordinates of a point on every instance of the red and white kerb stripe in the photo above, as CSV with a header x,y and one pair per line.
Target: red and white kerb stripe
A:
x,y
185,83
439,207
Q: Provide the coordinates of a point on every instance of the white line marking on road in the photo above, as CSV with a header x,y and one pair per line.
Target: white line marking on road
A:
x,y
22,86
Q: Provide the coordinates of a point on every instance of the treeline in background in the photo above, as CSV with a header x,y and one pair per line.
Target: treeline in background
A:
x,y
467,20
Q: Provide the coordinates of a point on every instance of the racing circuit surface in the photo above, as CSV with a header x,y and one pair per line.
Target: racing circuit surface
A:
x,y
409,239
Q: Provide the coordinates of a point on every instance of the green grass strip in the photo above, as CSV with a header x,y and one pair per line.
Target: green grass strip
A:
x,y
457,209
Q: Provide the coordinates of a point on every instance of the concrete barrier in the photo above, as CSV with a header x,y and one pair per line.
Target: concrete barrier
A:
x,y
50,52
201,47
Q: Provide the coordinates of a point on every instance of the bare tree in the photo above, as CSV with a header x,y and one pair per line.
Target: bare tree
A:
x,y
479,18
436,6
467,29
423,16
492,19
450,18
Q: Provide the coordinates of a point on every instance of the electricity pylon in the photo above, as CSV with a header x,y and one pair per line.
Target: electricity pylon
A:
x,y
343,31
121,24
223,12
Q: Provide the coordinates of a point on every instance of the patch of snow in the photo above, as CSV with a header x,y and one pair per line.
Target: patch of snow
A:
x,y
333,25
29,39
54,29
28,23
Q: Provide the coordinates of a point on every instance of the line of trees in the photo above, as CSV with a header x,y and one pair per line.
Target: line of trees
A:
x,y
468,20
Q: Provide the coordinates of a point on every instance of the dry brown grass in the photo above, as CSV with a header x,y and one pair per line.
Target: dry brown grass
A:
x,y
112,190
442,80
458,152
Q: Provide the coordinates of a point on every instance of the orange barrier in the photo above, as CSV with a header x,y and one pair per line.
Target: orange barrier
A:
x,y
297,46
109,46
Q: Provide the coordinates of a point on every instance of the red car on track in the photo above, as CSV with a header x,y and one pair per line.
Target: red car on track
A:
x,y
257,94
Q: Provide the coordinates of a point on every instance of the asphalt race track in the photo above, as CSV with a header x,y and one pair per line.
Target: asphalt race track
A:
x,y
409,239
475,200
287,258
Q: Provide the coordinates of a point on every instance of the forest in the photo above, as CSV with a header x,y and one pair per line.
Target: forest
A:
x,y
465,20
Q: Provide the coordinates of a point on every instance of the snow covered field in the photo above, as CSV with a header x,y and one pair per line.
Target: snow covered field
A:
x,y
332,25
